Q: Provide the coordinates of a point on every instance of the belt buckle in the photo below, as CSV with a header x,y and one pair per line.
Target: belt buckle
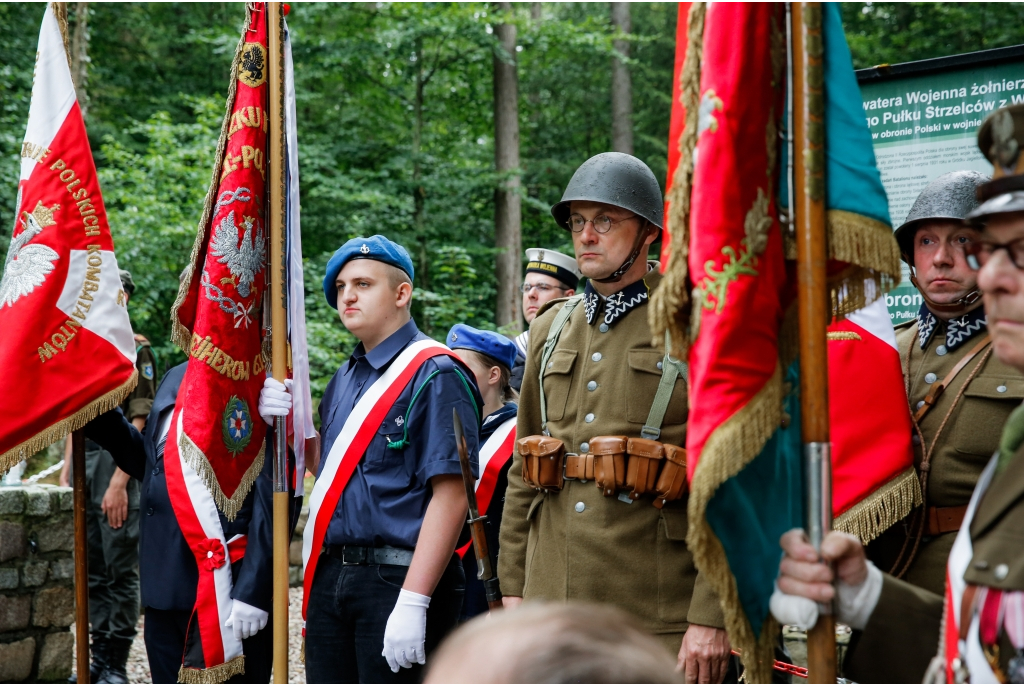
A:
x,y
358,552
565,464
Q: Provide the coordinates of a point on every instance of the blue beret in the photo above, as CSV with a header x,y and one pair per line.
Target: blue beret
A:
x,y
375,247
490,343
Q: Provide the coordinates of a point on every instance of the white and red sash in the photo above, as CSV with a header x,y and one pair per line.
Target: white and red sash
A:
x,y
197,515
968,651
494,454
348,449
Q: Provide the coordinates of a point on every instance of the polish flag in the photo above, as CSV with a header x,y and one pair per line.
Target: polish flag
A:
x,y
874,484
66,348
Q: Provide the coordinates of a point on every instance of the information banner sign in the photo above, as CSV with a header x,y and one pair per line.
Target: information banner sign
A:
x,y
924,118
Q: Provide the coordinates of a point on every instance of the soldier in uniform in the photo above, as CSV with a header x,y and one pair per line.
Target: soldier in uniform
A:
x,y
112,515
549,275
960,393
595,508
899,623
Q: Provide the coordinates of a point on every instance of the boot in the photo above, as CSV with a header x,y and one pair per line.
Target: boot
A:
x,y
116,670
97,664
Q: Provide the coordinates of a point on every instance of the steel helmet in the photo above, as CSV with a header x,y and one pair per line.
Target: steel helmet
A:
x,y
951,196
614,178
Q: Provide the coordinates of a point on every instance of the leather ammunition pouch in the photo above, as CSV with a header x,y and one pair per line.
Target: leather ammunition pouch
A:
x,y
609,462
645,459
672,480
542,461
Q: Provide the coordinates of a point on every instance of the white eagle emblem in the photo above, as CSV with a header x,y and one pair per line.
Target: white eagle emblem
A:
x,y
244,260
27,266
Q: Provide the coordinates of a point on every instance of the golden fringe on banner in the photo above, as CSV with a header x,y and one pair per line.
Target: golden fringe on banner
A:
x,y
214,674
728,450
668,310
180,333
887,505
195,458
62,428
869,247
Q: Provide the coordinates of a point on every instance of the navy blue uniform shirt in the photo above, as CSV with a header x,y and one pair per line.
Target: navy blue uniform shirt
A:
x,y
387,496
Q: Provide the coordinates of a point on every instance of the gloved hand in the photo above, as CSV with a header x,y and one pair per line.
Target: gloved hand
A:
x,y
406,631
246,620
275,399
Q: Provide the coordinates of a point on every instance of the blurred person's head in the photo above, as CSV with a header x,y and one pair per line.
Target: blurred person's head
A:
x,y
549,275
553,643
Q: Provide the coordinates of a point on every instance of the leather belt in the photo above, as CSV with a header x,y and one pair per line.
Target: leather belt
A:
x,y
944,519
579,466
354,555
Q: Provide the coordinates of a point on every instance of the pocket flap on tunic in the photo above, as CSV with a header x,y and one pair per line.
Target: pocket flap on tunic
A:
x,y
646,360
675,523
996,387
561,361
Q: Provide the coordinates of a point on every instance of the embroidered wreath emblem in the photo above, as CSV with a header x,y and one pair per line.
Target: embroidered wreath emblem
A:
x,y
236,425
209,553
253,68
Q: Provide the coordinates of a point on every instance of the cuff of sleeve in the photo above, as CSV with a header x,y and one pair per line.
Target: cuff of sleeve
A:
x,y
441,468
705,609
856,604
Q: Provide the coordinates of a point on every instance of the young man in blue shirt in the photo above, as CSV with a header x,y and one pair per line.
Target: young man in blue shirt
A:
x,y
383,585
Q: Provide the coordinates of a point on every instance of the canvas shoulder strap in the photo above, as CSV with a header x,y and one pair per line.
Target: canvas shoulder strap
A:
x,y
671,370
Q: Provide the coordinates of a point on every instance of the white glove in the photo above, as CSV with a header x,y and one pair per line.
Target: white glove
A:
x,y
246,620
406,631
854,606
275,399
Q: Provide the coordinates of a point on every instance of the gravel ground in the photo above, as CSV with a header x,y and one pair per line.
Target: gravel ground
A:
x,y
138,664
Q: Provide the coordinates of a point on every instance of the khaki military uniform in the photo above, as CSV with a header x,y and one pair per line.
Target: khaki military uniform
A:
x,y
902,634
577,544
140,400
967,418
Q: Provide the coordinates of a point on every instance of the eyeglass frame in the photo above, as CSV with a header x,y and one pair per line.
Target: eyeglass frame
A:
x,y
525,288
593,221
974,248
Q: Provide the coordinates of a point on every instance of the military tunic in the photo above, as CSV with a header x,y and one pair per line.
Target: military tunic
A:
x,y
967,428
577,544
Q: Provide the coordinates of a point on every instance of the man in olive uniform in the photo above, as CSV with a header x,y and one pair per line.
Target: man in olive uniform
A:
x,y
898,625
947,346
113,525
600,381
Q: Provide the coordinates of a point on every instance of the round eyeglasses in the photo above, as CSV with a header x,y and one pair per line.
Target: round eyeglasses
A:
x,y
602,223
979,251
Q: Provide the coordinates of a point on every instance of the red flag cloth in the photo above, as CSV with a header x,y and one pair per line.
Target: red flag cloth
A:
x,y
677,123
873,479
217,317
67,351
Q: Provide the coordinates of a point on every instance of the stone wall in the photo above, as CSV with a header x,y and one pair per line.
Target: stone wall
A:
x,y
37,600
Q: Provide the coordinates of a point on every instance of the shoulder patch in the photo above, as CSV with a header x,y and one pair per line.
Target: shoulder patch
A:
x,y
147,371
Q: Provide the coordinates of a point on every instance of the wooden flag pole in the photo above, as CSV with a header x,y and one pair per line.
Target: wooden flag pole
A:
x,y
813,303
279,333
81,556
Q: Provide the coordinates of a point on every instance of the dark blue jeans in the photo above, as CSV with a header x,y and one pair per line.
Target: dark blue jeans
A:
x,y
348,611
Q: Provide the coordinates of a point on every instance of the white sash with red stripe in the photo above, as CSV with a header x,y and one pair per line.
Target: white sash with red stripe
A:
x,y
348,449
197,515
494,454
967,651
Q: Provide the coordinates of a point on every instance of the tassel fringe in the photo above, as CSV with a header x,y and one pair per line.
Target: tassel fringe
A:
x,y
214,674
62,428
884,507
671,301
195,458
870,249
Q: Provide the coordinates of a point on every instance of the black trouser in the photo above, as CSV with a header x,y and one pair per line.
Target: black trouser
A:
x,y
113,554
347,613
165,644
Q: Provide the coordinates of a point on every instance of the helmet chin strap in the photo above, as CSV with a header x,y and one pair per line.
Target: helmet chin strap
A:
x,y
638,245
951,308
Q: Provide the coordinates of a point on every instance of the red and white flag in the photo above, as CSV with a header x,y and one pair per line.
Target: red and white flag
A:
x,y
66,351
874,483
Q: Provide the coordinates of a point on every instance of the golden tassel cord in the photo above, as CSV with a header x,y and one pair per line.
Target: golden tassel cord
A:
x,y
884,507
215,674
180,333
62,428
195,458
668,311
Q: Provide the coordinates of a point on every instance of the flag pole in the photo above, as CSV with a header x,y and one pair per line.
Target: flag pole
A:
x,y
813,303
279,333
81,556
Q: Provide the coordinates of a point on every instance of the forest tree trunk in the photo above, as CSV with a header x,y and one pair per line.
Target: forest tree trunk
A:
x,y
622,87
419,193
80,55
507,209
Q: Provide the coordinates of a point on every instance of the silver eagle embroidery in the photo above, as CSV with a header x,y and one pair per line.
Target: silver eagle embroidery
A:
x,y
27,266
244,257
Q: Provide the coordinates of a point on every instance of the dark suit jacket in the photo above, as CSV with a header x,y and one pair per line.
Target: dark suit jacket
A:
x,y
167,566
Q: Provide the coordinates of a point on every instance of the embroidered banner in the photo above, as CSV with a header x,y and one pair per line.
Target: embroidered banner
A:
x,y
67,351
217,317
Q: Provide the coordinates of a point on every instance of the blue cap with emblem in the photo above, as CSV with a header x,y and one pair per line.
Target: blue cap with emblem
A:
x,y
375,247
492,344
